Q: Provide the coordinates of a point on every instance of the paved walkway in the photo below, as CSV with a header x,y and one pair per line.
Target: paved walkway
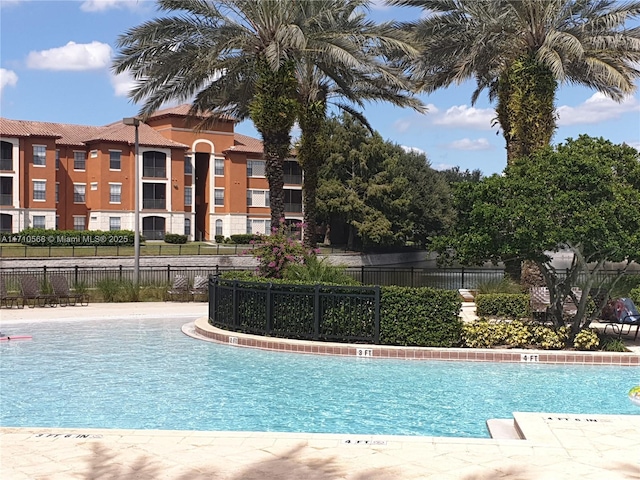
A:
x,y
555,446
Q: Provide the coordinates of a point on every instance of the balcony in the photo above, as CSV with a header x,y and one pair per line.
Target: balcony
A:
x,y
292,179
6,199
6,164
293,207
154,172
154,203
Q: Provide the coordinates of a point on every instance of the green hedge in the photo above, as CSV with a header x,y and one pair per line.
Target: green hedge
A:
x,y
175,238
424,317
483,334
40,237
503,305
244,238
635,296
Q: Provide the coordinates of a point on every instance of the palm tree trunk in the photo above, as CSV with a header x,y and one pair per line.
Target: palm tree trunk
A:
x,y
273,111
526,93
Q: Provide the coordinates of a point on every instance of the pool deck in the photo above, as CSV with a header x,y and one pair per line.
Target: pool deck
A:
x,y
555,446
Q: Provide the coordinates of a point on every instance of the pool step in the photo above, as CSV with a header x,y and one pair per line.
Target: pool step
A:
x,y
503,429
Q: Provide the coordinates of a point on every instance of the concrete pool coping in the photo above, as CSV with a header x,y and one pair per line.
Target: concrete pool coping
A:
x,y
555,445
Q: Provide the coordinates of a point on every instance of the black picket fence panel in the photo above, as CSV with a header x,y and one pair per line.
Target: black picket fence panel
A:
x,y
311,312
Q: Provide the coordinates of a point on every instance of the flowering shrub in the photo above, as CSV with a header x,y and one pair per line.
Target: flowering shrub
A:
x,y
274,252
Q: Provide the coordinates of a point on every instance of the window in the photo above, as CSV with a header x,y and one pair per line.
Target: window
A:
x,y
57,222
6,191
154,165
258,226
258,198
218,227
6,156
57,159
255,168
78,223
218,196
188,196
40,190
188,166
79,160
187,226
292,200
218,166
154,196
57,192
94,185
6,223
115,159
114,223
39,221
292,172
39,155
115,192
93,154
79,190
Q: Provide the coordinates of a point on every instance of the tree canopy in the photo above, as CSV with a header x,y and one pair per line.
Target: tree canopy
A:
x,y
374,193
583,195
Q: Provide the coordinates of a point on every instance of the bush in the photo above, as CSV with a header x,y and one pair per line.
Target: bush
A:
x,y
109,289
516,334
635,296
609,344
424,317
175,238
314,270
503,305
219,238
244,238
587,339
275,253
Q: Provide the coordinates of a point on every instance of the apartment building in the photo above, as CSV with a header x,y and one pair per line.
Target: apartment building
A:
x,y
200,183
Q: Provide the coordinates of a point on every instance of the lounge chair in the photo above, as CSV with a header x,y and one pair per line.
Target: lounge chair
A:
x,y
200,288
65,296
33,295
569,307
7,300
626,315
540,301
179,289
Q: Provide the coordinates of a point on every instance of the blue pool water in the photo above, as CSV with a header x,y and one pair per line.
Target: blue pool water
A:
x,y
146,374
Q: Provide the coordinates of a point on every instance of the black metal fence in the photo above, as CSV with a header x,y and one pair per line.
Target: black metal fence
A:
x,y
313,312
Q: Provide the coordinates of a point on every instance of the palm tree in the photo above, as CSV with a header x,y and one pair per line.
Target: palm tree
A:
x,y
343,61
520,50
232,57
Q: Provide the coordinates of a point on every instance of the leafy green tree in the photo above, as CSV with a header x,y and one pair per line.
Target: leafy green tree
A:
x,y
379,193
583,195
520,50
455,175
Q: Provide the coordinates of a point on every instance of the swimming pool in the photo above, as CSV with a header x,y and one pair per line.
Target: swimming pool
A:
x,y
146,374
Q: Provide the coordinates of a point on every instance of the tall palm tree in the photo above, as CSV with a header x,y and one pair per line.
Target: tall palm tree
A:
x,y
231,57
343,64
520,50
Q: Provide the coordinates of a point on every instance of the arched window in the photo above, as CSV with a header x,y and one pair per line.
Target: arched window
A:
x,y
6,222
218,227
153,228
154,164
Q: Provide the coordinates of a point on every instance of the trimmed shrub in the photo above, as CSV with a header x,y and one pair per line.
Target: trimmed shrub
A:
x,y
175,238
635,296
503,305
424,317
587,339
219,238
516,334
244,238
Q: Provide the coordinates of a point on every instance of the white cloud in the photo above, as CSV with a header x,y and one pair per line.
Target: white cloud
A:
x,y
8,78
442,166
73,56
102,5
635,145
462,116
597,108
122,84
468,144
10,3
417,150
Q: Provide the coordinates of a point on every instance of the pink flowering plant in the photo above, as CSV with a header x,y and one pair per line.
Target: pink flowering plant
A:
x,y
276,251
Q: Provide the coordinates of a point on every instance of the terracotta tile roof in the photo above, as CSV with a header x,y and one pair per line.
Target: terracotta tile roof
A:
x,y
245,144
81,135
24,128
183,111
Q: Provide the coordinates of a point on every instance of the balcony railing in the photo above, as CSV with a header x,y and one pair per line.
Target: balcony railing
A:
x,y
291,179
293,207
154,203
154,172
6,164
6,199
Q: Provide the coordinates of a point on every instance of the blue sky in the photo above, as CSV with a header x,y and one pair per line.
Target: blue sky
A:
x,y
55,61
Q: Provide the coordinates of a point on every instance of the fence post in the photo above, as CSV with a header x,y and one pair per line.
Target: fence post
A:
x,y
213,306
75,275
159,250
376,321
44,273
412,285
179,249
169,273
217,270
462,277
49,250
316,312
120,272
269,324
362,274
199,245
235,303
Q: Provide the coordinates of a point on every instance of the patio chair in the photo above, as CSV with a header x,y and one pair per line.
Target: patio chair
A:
x,y
568,306
7,300
33,295
179,289
540,301
200,288
65,296
626,315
